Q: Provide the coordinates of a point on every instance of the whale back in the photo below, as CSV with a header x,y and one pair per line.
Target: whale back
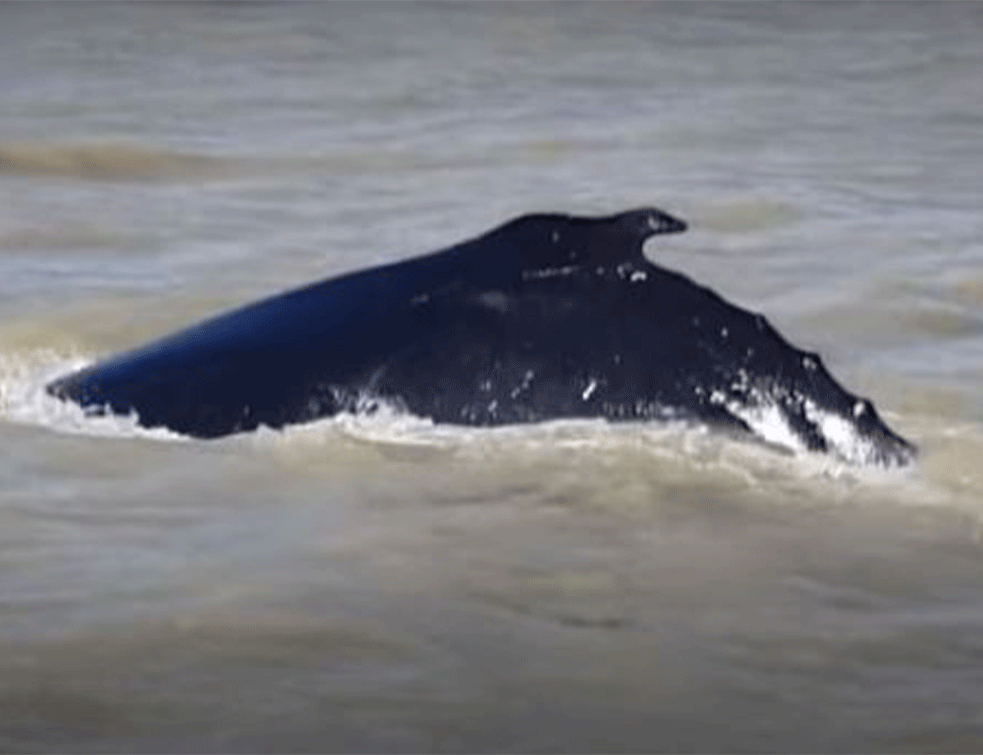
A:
x,y
546,316
288,357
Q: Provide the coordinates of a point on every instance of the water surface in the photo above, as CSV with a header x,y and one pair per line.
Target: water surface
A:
x,y
369,584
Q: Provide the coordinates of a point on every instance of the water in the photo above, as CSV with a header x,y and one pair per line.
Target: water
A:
x,y
384,584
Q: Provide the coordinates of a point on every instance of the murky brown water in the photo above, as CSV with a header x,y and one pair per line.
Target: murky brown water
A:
x,y
386,585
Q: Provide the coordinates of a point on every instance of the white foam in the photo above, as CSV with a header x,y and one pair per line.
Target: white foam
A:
x,y
842,435
767,420
23,399
675,447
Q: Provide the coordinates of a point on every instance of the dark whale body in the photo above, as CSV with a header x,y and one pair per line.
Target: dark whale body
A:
x,y
547,316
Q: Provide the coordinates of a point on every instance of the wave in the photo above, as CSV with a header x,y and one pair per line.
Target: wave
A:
x,y
946,475
128,162
24,373
111,162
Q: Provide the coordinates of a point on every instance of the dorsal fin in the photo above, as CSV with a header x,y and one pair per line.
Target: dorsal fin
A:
x,y
646,222
544,241
536,246
557,240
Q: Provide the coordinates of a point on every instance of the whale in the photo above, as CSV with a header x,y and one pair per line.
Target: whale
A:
x,y
548,316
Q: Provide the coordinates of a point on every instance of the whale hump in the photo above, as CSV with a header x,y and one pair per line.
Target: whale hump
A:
x,y
538,243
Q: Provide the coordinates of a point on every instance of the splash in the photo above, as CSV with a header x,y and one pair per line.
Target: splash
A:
x,y
23,399
774,453
672,451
